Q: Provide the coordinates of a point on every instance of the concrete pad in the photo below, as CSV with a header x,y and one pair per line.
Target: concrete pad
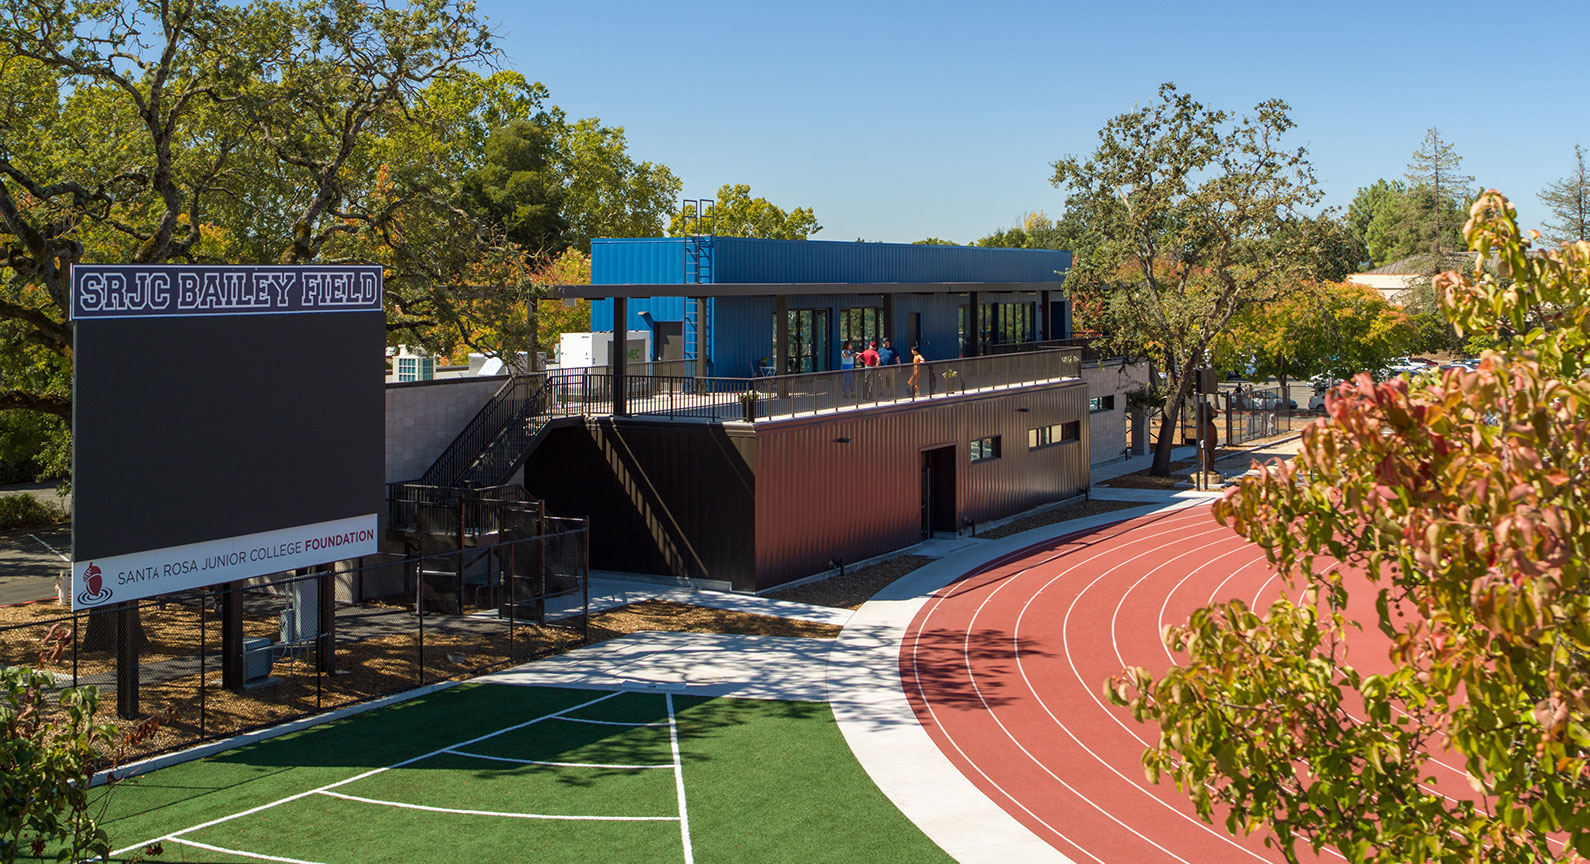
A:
x,y
701,664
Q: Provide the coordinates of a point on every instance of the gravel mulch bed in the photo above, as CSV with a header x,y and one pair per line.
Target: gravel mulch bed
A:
x,y
856,586
680,618
1059,514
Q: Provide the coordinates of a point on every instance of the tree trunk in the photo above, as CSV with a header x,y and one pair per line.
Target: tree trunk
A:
x,y
1167,426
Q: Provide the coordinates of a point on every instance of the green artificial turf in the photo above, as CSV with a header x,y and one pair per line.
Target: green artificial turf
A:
x,y
764,781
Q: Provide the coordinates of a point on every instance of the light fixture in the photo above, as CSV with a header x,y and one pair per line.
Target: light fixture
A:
x,y
841,440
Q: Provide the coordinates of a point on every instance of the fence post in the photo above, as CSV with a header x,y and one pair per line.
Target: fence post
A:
x,y
586,566
127,661
419,607
327,625
513,602
204,675
232,672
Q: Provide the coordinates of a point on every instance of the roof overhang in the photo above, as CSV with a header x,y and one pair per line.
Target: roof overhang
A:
x,y
775,289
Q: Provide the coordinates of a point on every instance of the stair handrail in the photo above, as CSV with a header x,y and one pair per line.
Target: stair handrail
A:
x,y
506,405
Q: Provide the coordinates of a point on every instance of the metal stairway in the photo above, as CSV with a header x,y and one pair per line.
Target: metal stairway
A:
x,y
499,437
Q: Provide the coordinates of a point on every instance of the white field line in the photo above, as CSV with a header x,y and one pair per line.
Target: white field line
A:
x,y
555,764
57,552
371,773
604,722
238,852
679,780
559,818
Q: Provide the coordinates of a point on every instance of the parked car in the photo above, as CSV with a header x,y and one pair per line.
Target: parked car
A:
x,y
1264,400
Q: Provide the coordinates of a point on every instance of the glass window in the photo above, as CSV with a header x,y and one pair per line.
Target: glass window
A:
x,y
807,347
985,448
1071,431
860,324
1101,403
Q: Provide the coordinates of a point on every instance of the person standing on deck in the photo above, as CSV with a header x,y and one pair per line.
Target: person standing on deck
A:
x,y
887,356
847,368
869,379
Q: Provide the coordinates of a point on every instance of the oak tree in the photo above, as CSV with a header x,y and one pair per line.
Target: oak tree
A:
x,y
1198,213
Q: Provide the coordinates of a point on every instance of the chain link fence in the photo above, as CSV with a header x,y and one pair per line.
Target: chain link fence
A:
x,y
215,662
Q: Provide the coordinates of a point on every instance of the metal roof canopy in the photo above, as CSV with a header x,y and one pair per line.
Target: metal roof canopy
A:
x,y
776,289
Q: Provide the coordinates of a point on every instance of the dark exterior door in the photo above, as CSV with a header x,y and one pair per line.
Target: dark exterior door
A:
x,y
913,334
938,490
670,340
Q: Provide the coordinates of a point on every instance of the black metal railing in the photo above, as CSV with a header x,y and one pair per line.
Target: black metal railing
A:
x,y
1089,354
344,633
814,392
519,397
467,512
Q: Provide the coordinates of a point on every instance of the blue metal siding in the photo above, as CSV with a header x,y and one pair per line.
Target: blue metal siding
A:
x,y
742,334
741,259
660,308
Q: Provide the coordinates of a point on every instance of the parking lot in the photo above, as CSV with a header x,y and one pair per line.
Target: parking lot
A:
x,y
30,561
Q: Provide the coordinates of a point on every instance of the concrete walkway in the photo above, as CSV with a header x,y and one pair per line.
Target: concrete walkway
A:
x,y
701,664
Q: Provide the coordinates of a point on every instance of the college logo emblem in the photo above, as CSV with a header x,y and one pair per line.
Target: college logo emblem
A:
x,y
94,590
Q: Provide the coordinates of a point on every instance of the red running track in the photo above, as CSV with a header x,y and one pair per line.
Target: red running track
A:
x,y
1005,669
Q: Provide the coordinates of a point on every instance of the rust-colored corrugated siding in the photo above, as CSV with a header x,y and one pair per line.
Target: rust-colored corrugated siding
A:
x,y
818,500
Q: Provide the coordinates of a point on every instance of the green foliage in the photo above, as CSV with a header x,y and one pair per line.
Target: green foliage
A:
x,y
1457,502
46,759
1191,215
607,193
1568,199
25,511
736,214
1333,329
517,188
296,131
932,241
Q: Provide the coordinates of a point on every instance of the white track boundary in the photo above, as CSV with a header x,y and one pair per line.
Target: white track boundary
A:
x,y
869,703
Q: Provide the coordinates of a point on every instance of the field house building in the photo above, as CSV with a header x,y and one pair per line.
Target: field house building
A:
x,y
684,474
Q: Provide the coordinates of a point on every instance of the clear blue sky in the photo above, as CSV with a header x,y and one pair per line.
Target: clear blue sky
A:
x,y
901,121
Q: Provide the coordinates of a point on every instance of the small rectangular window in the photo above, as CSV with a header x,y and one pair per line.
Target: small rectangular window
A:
x,y
985,448
1071,431
1101,403
1042,436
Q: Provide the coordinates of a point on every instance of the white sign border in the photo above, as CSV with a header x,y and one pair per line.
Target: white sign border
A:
x,y
141,575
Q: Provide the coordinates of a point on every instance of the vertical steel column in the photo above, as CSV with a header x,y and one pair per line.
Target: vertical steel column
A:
x,y
888,321
781,342
327,625
974,325
232,672
1045,325
620,352
127,661
780,334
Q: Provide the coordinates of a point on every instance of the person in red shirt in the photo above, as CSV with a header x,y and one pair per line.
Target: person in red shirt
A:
x,y
869,359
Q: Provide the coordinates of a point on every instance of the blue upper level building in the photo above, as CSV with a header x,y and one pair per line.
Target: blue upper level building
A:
x,y
746,307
